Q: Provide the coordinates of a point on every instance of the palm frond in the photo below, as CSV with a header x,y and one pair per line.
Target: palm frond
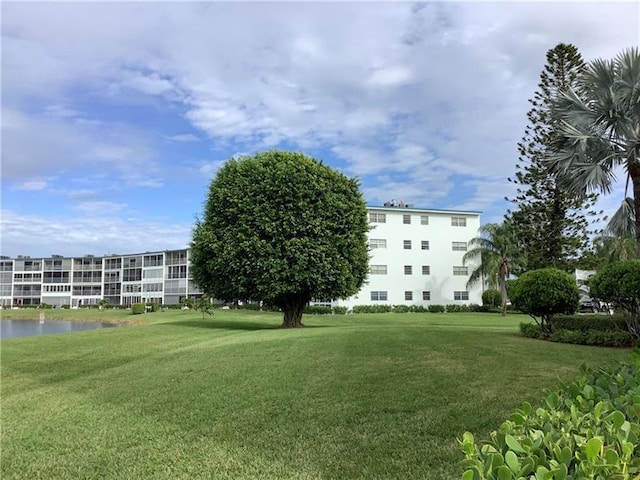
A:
x,y
622,223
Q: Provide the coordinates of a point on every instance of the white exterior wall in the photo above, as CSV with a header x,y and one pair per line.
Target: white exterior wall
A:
x,y
440,257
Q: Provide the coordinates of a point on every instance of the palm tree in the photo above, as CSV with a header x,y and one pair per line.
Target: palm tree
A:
x,y
599,129
496,248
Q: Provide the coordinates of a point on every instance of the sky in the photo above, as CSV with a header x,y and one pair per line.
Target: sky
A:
x,y
116,116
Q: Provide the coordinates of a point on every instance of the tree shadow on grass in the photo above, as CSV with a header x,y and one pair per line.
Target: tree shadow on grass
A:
x,y
230,325
224,324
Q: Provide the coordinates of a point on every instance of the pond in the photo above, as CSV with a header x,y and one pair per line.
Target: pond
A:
x,y
27,328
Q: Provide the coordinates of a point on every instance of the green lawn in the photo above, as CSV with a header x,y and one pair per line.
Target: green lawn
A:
x,y
359,396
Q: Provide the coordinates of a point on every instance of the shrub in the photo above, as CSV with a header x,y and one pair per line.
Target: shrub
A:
x,y
619,283
339,310
531,330
372,309
587,429
44,306
401,309
602,331
66,306
492,298
544,293
453,308
436,309
138,308
418,309
589,322
474,307
154,306
317,310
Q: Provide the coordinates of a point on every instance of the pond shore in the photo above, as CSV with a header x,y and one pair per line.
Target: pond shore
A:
x,y
75,315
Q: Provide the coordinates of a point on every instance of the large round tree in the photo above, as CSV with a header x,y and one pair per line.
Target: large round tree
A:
x,y
282,228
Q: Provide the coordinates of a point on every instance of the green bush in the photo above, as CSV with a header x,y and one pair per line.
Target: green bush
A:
x,y
418,309
436,309
154,306
492,298
66,306
589,322
401,309
619,283
601,336
544,293
138,308
317,310
44,306
339,310
474,307
594,337
588,429
372,309
453,308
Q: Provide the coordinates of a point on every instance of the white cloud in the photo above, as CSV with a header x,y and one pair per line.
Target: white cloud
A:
x,y
405,96
32,185
92,234
100,208
183,138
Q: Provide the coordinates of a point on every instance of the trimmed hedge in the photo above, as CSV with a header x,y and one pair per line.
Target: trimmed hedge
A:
x,y
588,429
138,308
492,298
589,322
317,310
573,332
372,309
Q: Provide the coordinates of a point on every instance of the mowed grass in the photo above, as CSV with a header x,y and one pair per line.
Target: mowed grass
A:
x,y
233,397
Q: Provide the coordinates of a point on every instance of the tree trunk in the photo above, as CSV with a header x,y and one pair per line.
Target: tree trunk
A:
x,y
634,173
502,281
293,306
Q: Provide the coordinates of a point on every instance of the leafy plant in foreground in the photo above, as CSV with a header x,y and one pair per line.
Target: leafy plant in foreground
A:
x,y
587,430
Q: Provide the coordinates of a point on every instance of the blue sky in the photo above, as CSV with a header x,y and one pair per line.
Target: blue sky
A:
x,y
116,116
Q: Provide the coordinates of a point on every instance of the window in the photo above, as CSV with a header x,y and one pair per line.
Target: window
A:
x,y
152,287
424,219
378,269
178,271
426,270
377,217
408,295
426,295
406,219
408,270
460,270
458,222
424,244
379,295
459,246
153,260
407,244
113,263
132,274
153,273
462,295
378,243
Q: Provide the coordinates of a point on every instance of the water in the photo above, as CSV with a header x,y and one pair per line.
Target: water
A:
x,y
27,328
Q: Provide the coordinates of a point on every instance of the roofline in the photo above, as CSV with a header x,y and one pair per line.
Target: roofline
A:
x,y
433,210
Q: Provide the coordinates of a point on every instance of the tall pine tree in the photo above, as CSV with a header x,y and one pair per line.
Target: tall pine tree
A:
x,y
552,226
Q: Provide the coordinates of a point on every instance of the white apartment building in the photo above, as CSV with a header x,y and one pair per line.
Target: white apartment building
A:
x,y
416,259
160,277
